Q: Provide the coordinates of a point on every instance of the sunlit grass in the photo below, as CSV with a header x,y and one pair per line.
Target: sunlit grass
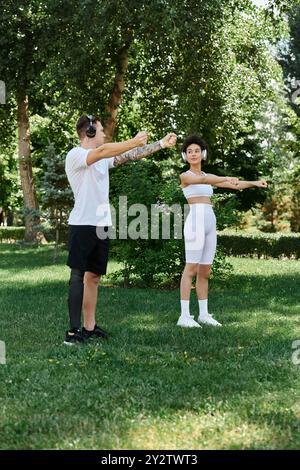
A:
x,y
153,385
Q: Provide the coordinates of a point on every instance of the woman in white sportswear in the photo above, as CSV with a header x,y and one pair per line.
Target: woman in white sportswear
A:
x,y
200,228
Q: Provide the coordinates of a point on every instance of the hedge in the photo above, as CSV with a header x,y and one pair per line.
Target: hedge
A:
x,y
11,234
261,245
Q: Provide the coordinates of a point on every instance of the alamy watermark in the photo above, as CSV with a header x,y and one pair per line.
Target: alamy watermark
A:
x,y
296,353
2,353
2,92
157,222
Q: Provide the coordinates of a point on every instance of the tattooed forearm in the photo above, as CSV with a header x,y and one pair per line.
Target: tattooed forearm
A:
x,y
136,153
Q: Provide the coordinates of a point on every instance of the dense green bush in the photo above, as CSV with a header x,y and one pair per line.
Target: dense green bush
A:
x,y
156,263
159,262
148,262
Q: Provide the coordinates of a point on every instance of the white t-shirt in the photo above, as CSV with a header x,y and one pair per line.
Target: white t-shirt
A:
x,y
90,186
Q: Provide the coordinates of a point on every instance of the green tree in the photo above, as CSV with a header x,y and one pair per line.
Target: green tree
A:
x,y
26,44
279,132
184,65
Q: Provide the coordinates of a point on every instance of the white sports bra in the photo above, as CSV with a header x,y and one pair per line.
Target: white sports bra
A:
x,y
193,190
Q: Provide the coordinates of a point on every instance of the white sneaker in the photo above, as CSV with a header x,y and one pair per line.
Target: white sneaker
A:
x,y
208,320
187,322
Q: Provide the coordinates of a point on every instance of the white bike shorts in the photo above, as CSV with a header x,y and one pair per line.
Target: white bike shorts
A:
x,y
200,234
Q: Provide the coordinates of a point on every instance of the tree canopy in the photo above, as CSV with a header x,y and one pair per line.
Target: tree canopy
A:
x,y
187,66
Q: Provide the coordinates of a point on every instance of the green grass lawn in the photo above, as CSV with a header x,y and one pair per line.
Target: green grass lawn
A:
x,y
153,385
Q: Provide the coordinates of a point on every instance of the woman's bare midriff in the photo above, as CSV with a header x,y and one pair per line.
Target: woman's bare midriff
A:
x,y
199,200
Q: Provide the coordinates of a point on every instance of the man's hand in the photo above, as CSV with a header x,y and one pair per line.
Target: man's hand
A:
x,y
141,138
169,140
232,180
261,184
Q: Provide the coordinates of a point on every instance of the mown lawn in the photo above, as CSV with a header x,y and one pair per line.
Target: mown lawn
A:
x,y
153,385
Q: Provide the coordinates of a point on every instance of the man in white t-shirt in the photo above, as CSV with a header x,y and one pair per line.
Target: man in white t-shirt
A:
x,y
87,169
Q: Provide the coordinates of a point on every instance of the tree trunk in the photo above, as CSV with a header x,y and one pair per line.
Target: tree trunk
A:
x,y
116,95
25,168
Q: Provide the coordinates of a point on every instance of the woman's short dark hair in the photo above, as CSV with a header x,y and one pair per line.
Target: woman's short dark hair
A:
x,y
194,139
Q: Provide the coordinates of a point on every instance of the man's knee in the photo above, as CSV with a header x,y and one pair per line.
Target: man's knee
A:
x,y
91,278
76,276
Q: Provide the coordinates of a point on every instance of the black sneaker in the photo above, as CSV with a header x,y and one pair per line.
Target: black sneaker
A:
x,y
97,332
75,338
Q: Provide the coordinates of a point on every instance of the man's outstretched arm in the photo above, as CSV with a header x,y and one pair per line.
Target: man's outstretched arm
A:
x,y
111,149
142,152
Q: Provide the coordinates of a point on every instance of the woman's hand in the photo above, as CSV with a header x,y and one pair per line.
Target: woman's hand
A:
x,y
261,184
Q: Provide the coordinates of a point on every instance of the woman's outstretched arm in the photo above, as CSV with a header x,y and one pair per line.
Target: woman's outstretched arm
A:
x,y
243,185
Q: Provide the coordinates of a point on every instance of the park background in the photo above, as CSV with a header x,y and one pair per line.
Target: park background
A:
x,y
229,71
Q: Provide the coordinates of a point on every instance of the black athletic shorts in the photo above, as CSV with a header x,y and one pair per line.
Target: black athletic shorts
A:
x,y
87,251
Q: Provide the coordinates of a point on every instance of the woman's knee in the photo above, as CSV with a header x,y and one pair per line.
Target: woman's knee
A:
x,y
190,269
204,271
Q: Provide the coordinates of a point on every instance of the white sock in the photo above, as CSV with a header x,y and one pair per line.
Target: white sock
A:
x,y
203,308
185,308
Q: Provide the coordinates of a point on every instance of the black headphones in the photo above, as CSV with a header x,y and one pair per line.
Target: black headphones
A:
x,y
91,129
